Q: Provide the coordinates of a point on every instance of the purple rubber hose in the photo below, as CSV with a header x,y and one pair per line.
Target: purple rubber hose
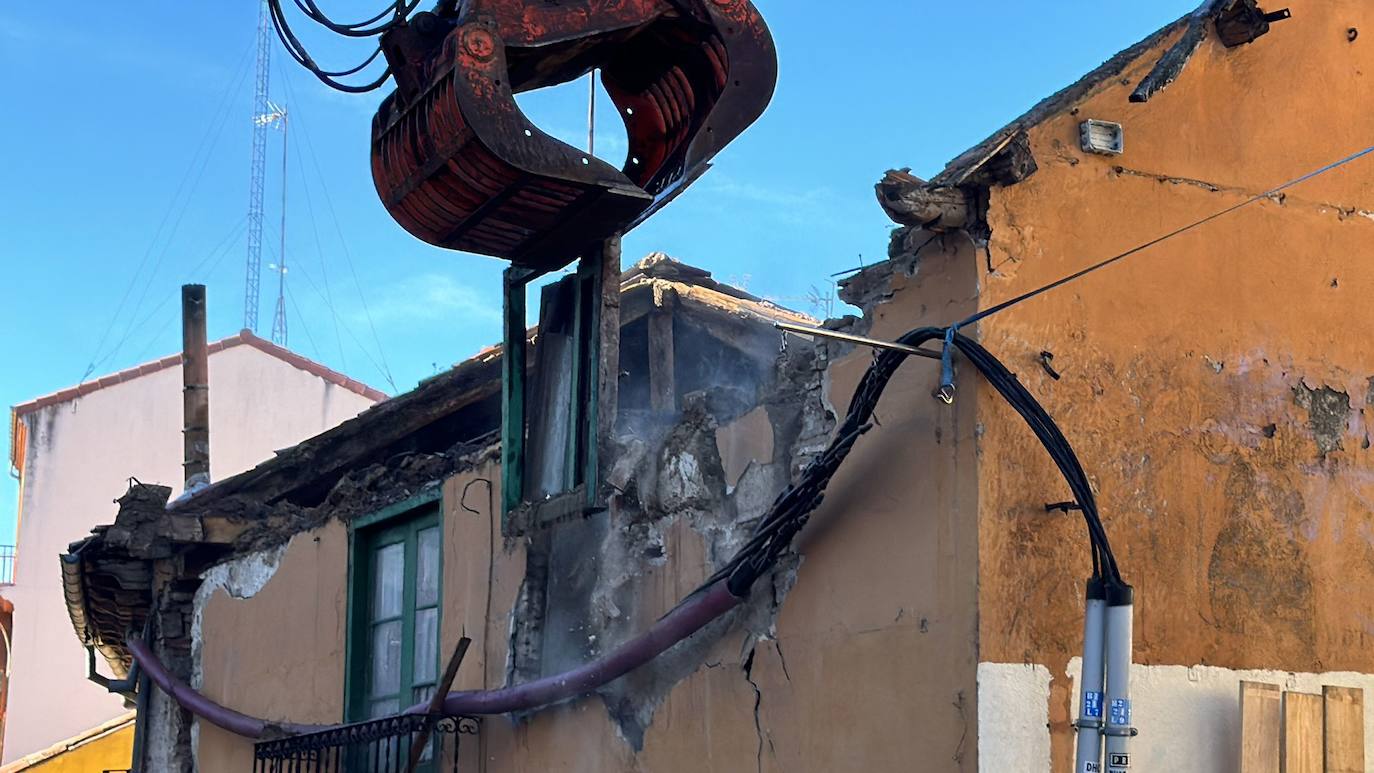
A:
x,y
677,625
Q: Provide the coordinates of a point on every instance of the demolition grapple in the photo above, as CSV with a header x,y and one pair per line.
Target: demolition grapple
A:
x,y
459,166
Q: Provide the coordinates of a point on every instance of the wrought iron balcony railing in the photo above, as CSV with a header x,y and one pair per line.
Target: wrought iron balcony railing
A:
x,y
378,746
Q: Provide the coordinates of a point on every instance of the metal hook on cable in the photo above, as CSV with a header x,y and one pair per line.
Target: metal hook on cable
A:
x,y
946,390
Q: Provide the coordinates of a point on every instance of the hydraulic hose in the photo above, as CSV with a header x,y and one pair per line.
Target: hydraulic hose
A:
x,y
674,627
195,702
682,622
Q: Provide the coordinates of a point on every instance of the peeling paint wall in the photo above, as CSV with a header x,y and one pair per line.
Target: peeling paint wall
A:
x,y
1215,386
269,639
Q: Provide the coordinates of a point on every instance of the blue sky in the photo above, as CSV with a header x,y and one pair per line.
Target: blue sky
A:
x,y
126,174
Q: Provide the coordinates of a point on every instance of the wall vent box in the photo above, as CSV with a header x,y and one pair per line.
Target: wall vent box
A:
x,y
1103,137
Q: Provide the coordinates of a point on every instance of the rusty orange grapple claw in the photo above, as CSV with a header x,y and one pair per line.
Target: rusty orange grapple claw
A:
x,y
458,164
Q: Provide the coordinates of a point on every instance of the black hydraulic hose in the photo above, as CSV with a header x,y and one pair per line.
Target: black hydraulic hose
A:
x,y
298,52
398,11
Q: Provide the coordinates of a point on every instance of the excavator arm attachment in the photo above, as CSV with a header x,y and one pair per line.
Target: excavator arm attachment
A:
x,y
459,165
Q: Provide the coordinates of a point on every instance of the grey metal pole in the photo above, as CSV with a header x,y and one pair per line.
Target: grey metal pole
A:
x,y
1119,731
1089,724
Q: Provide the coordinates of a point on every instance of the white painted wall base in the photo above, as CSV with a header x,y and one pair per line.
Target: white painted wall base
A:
x,y
1013,718
1188,716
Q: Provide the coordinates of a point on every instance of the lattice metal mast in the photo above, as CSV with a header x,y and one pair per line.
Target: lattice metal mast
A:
x,y
278,115
257,180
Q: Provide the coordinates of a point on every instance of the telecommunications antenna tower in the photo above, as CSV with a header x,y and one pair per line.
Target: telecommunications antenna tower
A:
x,y
261,107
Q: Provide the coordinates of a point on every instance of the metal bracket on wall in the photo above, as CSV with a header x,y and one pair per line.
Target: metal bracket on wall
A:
x,y
1245,21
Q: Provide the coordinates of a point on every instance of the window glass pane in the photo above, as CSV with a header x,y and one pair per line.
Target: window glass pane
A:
x,y
388,581
386,659
426,665
421,695
385,708
427,575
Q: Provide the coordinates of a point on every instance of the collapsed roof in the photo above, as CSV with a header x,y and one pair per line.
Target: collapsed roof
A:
x,y
385,455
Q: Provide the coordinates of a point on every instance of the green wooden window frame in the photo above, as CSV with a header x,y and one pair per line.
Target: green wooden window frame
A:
x,y
400,525
582,464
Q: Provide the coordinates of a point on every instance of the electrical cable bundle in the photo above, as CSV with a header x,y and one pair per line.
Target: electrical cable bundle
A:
x,y
373,27
772,537
1044,427
792,509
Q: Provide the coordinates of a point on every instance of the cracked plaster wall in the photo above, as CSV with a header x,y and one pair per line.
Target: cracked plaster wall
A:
x,y
1215,386
240,579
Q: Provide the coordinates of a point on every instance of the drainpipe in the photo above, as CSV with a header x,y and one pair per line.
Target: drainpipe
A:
x,y
145,692
195,376
122,687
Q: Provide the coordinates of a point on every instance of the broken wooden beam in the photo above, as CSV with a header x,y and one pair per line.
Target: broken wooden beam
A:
x,y
436,704
662,380
910,201
1171,64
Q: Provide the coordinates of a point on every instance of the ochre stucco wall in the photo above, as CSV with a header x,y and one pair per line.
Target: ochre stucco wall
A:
x,y
108,752
1186,368
278,654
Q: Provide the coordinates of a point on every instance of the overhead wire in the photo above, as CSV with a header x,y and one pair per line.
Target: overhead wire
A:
x,y
214,257
792,509
226,109
790,512
218,118
319,253
353,337
1269,194
314,225
946,390
343,245
291,301
176,225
